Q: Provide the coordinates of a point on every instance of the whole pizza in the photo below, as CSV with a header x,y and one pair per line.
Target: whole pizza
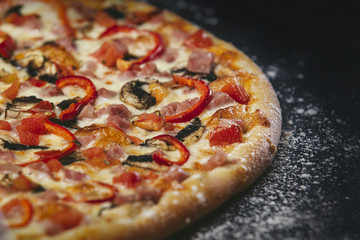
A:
x,y
119,120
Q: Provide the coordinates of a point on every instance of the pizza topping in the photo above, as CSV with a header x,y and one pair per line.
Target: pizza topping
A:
x,y
106,93
57,217
210,76
98,158
74,108
192,132
6,156
109,52
228,132
49,62
11,92
175,173
133,94
156,51
91,192
17,212
128,179
14,16
219,99
149,121
7,45
105,135
218,159
158,91
199,39
5,125
58,130
195,109
74,176
236,92
160,158
200,61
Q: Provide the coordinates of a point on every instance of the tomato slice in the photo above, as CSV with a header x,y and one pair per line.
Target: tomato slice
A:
x,y
107,54
13,90
7,45
17,212
236,92
128,179
199,39
149,121
226,135
5,125
59,217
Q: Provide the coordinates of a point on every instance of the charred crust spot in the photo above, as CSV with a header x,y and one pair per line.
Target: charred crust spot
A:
x,y
210,77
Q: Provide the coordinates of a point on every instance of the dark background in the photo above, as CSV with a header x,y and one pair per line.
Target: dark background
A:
x,y
310,52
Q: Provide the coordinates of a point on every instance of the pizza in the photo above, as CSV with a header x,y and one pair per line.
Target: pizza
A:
x,y
120,120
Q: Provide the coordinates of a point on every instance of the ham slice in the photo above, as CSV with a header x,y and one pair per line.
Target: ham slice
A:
x,y
200,61
219,99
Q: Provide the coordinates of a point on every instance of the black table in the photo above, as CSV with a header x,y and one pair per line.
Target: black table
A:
x,y
310,52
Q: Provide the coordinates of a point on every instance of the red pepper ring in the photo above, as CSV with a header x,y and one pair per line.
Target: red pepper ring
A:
x,y
159,157
17,212
196,109
57,154
83,82
151,55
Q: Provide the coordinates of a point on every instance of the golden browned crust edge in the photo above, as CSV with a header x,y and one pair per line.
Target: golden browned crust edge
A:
x,y
205,191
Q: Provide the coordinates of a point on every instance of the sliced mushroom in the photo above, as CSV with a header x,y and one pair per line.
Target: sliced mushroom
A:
x,y
144,162
210,77
44,61
17,109
36,64
192,132
133,94
20,147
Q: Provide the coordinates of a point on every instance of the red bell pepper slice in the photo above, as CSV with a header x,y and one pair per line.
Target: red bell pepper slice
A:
x,y
17,212
56,129
151,55
198,107
159,157
83,82
7,45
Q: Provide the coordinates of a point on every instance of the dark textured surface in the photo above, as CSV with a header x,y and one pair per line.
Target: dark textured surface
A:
x,y
310,52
